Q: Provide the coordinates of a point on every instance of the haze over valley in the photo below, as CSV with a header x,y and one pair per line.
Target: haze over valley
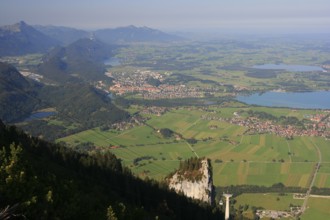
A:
x,y
219,110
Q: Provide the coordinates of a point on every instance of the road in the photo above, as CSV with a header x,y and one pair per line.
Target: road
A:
x,y
317,167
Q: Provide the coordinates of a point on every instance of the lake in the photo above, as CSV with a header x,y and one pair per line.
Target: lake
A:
x,y
291,68
112,62
308,100
39,115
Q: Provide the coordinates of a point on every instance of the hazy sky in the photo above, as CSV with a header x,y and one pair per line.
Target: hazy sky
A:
x,y
308,15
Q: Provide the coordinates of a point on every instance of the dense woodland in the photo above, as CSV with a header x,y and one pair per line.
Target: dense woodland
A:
x,y
18,96
41,180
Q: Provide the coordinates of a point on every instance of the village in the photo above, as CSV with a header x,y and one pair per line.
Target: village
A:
x,y
319,126
150,85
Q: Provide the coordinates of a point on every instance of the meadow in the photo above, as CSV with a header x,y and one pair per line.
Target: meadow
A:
x,y
237,158
317,209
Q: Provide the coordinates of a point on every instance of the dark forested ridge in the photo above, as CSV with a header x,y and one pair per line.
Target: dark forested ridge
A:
x,y
79,61
78,106
18,96
76,103
50,181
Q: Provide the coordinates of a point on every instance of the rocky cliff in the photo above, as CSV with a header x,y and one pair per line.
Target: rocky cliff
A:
x,y
198,186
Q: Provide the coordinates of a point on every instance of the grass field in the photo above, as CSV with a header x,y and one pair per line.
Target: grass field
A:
x,y
317,209
271,201
236,158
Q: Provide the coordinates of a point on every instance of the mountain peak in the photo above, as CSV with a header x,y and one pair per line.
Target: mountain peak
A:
x,y
21,38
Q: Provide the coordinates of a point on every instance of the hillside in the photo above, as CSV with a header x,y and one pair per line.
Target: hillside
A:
x,y
75,103
78,107
17,95
65,35
79,61
131,34
20,39
49,181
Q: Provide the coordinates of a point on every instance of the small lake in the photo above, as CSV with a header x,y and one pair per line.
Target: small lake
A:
x,y
291,68
39,115
308,100
112,62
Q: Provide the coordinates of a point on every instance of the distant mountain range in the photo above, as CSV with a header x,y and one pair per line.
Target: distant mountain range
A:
x,y
65,35
20,38
134,34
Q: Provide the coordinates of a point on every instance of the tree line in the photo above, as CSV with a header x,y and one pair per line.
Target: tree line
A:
x,y
51,181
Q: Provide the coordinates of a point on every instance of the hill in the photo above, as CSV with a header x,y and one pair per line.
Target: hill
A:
x,y
78,106
76,103
79,61
83,104
50,181
65,35
17,94
20,39
134,34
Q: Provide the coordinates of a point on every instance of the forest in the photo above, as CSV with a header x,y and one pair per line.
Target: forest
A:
x,y
42,180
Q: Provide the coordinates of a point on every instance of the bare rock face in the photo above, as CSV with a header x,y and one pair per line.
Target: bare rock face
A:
x,y
200,188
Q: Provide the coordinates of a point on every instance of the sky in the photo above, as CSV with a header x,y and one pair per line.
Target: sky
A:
x,y
294,15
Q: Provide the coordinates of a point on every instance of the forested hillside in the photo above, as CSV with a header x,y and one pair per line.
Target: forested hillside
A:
x,y
49,181
79,61
18,96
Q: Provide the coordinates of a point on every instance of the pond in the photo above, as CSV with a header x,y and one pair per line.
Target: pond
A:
x,y
39,115
291,68
307,100
112,62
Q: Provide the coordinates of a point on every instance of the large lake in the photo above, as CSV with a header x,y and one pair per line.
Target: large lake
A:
x,y
291,68
308,100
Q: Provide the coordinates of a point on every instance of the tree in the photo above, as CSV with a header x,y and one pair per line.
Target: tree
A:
x,y
111,215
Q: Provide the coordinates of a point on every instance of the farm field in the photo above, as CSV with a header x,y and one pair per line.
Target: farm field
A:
x,y
237,158
271,201
318,208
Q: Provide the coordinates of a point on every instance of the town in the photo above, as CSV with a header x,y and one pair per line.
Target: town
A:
x,y
319,126
150,85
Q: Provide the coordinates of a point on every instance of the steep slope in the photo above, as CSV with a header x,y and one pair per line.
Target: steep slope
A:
x,y
49,181
78,107
79,61
83,104
65,35
20,38
17,95
194,179
134,34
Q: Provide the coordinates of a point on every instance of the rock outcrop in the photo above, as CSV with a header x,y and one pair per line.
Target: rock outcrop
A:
x,y
197,188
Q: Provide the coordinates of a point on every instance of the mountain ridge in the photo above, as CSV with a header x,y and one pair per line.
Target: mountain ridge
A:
x,y
18,96
21,38
131,33
82,60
